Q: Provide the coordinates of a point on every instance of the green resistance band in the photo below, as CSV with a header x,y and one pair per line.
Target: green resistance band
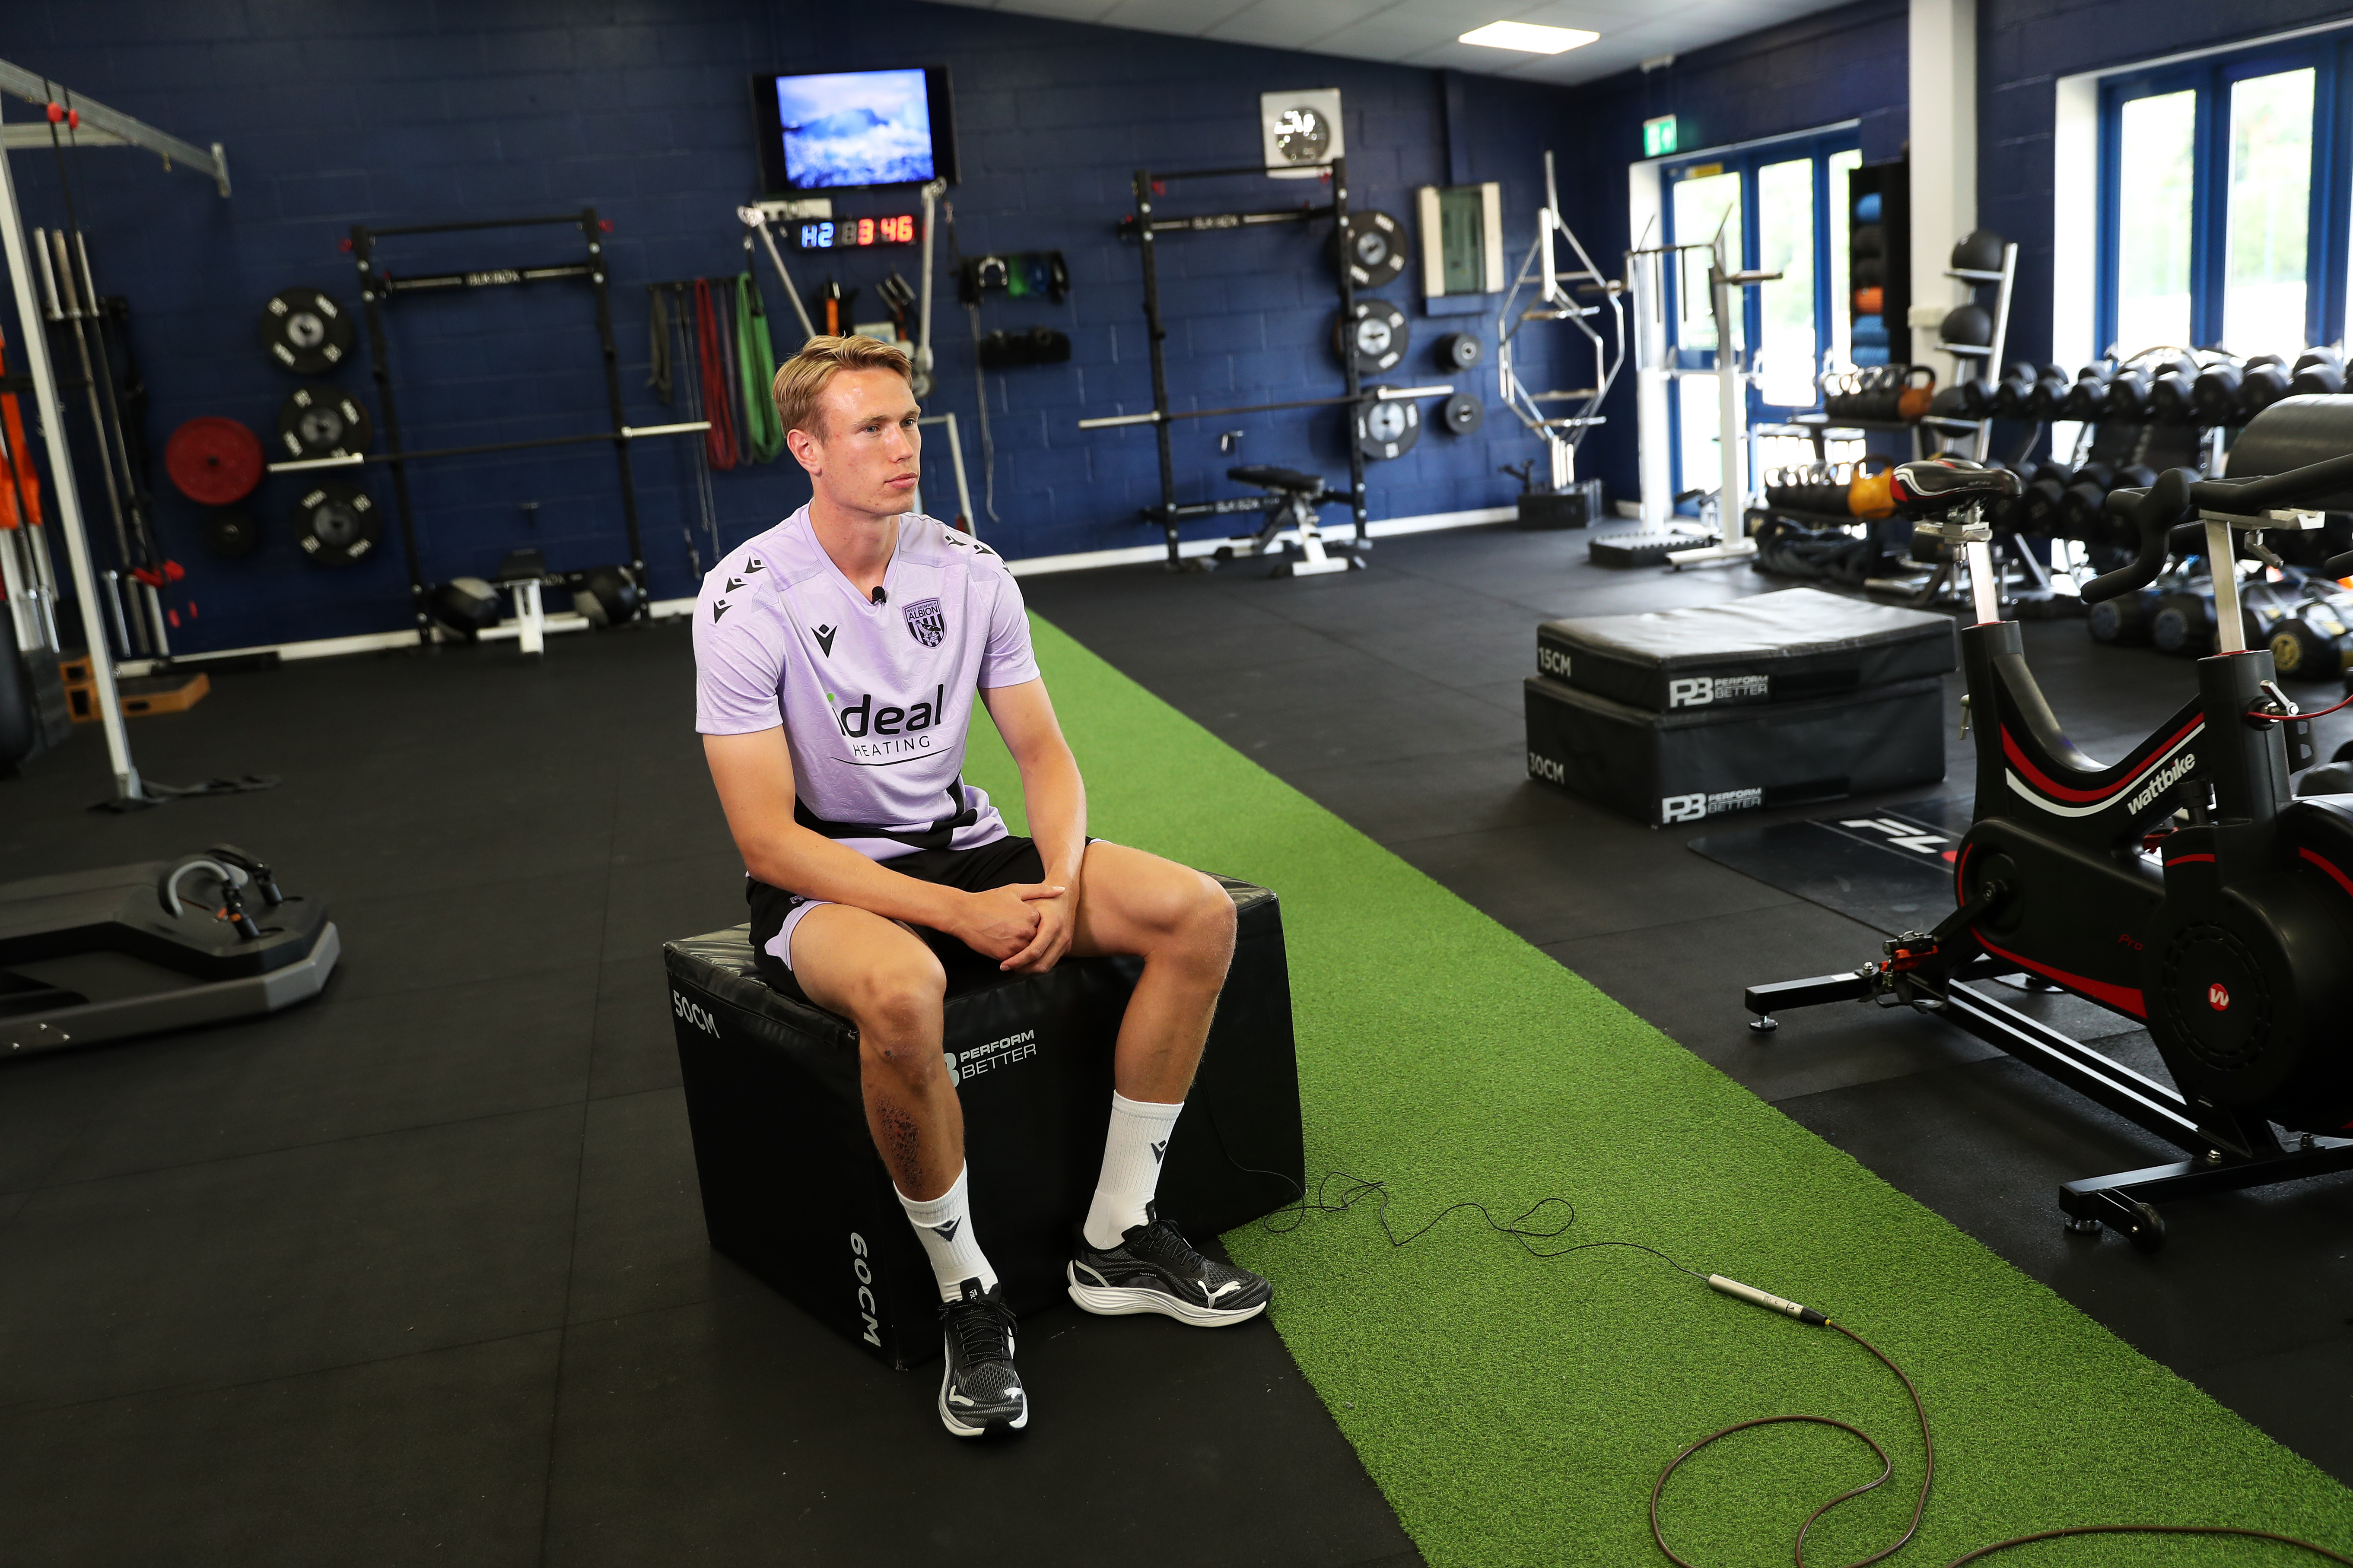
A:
x,y
764,430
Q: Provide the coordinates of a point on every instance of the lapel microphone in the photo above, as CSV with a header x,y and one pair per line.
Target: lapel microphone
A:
x,y
880,596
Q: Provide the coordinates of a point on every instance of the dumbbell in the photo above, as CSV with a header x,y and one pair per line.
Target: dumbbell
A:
x,y
2050,389
2317,371
2009,399
2262,383
2045,494
2214,396
2128,398
2168,395
2088,396
2115,527
2079,507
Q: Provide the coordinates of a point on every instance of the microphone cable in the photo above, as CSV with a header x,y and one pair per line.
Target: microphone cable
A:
x,y
1356,1189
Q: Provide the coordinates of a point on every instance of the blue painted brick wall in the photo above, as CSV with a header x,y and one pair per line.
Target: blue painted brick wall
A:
x,y
336,112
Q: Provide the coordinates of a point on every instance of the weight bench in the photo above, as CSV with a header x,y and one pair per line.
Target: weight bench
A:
x,y
793,1190
1299,494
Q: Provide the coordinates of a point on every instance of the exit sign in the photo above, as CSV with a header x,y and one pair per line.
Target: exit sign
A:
x,y
1659,136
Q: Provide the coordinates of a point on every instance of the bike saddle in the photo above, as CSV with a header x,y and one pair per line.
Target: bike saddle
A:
x,y
1931,488
1267,477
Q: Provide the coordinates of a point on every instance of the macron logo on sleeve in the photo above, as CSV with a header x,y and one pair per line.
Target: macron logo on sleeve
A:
x,y
718,610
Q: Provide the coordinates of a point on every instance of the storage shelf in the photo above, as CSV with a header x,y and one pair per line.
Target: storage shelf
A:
x,y
1968,276
1970,351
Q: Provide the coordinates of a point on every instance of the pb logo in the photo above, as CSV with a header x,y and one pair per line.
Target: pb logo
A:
x,y
1697,692
1683,807
696,1015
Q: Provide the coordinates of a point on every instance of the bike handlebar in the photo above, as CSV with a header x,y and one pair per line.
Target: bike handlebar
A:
x,y
2154,512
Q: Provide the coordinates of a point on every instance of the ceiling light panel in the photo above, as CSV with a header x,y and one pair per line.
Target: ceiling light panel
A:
x,y
1527,38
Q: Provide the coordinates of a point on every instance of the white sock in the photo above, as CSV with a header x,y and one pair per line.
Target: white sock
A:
x,y
944,1227
1131,1167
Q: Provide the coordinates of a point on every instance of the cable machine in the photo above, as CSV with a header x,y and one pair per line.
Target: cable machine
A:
x,y
30,576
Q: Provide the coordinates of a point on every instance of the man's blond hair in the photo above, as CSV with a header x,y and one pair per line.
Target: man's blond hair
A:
x,y
802,379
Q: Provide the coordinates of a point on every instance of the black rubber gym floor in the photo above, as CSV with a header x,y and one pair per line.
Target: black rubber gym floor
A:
x,y
417,1273
1393,697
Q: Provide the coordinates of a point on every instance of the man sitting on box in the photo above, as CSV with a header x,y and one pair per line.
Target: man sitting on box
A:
x,y
837,655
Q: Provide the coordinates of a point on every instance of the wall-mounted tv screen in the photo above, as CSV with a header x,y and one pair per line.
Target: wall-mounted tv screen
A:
x,y
845,130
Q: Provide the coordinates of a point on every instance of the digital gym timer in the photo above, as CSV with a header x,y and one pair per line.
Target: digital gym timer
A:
x,y
850,233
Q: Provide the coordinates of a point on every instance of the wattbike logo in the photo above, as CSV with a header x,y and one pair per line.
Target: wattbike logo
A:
x,y
2172,773
695,1014
867,1309
890,733
1700,691
1004,1052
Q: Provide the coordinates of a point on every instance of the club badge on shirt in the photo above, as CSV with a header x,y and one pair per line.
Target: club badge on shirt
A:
x,y
926,623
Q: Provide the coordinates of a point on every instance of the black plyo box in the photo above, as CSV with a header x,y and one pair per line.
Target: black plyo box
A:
x,y
793,1190
1691,763
1784,647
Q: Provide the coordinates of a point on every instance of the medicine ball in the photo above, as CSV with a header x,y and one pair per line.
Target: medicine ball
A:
x,y
608,596
1978,251
466,605
1969,325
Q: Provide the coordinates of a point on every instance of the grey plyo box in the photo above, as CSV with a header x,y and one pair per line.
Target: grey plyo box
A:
x,y
1692,763
1785,646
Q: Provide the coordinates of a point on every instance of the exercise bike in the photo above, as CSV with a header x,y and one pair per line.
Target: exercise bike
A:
x,y
2184,887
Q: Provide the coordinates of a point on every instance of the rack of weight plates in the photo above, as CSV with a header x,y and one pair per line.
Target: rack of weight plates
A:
x,y
524,573
1384,417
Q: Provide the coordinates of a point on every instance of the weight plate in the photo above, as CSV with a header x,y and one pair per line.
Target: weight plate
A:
x,y
1463,413
1374,248
306,331
1378,334
231,534
213,461
336,524
323,421
1460,350
1387,429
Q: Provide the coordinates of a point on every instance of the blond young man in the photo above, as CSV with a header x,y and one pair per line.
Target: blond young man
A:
x,y
837,658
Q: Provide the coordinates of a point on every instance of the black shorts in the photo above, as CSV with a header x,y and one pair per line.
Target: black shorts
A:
x,y
1009,859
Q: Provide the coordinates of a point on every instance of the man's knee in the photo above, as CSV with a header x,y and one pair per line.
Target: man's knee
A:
x,y
897,1008
1201,922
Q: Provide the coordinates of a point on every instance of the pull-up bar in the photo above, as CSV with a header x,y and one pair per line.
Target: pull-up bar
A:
x,y
95,125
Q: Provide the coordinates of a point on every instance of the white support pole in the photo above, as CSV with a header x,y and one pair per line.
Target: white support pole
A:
x,y
65,503
1943,72
1731,402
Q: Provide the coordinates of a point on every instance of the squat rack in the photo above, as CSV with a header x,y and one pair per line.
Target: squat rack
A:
x,y
377,286
97,125
1147,228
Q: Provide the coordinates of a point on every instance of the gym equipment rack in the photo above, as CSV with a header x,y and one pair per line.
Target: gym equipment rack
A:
x,y
31,603
376,286
1146,228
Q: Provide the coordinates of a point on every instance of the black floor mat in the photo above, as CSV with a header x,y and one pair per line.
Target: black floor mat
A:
x,y
1890,867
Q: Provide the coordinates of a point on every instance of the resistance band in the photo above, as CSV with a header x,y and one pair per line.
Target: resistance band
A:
x,y
710,372
763,429
1355,1190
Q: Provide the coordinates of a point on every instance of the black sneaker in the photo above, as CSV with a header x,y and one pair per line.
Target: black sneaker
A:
x,y
1154,1270
979,1390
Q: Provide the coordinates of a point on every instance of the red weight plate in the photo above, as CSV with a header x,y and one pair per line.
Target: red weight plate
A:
x,y
215,461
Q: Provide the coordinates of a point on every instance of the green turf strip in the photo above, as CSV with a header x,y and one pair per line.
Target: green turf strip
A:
x,y
1516,1410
